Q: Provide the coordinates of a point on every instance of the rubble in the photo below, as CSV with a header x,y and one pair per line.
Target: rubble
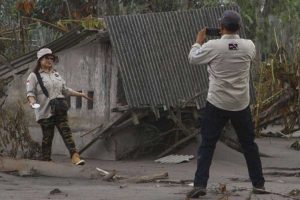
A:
x,y
278,92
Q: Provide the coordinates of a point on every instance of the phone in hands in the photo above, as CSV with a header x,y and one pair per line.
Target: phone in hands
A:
x,y
213,32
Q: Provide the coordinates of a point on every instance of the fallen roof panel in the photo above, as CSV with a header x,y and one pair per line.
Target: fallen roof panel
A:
x,y
152,51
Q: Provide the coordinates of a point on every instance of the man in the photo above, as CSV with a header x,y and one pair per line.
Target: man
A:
x,y
228,98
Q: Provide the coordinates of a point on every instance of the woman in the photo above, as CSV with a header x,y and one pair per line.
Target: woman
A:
x,y
45,89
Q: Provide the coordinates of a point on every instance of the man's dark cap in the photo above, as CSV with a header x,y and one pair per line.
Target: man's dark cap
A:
x,y
231,18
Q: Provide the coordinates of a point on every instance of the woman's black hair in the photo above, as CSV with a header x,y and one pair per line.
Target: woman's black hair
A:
x,y
37,66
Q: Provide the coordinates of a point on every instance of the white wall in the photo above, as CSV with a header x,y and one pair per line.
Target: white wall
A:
x,y
90,67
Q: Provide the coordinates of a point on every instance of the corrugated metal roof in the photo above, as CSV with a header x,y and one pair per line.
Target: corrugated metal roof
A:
x,y
66,41
152,51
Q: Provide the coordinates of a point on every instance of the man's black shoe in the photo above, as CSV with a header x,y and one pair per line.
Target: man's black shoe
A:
x,y
260,190
196,192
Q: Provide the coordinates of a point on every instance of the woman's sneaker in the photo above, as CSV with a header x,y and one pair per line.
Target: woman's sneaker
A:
x,y
76,159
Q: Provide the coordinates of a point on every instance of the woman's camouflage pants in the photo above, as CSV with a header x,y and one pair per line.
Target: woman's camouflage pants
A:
x,y
61,123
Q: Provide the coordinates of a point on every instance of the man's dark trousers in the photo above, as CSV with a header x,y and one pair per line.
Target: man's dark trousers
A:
x,y
212,124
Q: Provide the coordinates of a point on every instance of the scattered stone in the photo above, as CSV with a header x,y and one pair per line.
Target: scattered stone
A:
x,y
294,192
296,145
55,191
222,188
27,172
123,186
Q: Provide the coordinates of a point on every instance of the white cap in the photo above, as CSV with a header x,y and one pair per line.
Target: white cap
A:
x,y
44,51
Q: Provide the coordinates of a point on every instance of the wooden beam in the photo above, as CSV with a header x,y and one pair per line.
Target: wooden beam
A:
x,y
149,178
107,127
178,143
45,168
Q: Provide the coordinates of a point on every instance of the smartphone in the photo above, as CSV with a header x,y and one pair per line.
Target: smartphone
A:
x,y
213,31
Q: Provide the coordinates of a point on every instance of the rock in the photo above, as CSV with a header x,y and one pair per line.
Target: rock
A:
x,y
55,191
296,145
294,192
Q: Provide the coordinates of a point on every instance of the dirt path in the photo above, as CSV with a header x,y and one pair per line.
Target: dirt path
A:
x,y
228,168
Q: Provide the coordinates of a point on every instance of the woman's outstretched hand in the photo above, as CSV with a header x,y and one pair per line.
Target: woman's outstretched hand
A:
x,y
86,97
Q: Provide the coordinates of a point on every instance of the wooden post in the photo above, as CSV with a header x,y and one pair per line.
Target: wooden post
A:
x,y
135,118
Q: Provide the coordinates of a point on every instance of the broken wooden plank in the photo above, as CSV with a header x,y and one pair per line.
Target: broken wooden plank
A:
x,y
285,174
109,176
184,103
279,194
117,120
237,146
149,178
120,108
178,143
124,124
135,118
140,179
129,122
284,168
279,104
102,171
178,122
45,168
156,112
180,182
90,131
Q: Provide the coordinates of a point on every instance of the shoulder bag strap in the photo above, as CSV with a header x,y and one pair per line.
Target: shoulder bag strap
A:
x,y
39,78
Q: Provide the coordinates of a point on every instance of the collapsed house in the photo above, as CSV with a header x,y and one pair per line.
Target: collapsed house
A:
x,y
138,75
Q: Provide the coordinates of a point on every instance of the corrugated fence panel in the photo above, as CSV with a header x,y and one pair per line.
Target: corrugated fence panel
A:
x,y
152,50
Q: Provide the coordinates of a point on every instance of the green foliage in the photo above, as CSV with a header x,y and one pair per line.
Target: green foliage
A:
x,y
279,21
278,16
50,10
7,10
92,23
87,23
201,4
54,10
248,12
164,5
141,6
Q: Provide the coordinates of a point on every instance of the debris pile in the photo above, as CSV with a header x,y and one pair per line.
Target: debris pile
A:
x,y
278,99
15,140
